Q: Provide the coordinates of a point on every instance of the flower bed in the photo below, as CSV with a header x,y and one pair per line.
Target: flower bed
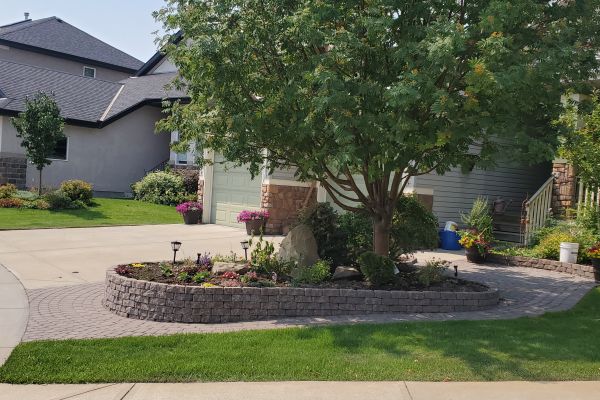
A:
x,y
133,298
585,271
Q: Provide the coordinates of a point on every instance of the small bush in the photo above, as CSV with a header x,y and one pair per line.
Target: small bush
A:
x,y
58,200
11,203
564,231
201,276
7,191
357,228
314,274
190,179
377,269
432,272
160,188
26,195
323,220
78,190
589,218
414,228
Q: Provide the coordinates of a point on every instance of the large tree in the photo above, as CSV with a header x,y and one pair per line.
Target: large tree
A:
x,y
40,127
363,95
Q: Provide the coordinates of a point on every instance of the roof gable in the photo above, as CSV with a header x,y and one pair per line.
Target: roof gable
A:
x,y
53,35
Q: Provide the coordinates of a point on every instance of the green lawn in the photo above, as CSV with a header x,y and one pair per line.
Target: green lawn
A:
x,y
105,212
556,346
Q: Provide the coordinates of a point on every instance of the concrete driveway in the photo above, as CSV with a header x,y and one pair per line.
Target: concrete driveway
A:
x,y
56,257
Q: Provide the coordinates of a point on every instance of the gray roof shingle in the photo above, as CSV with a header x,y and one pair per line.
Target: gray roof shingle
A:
x,y
79,98
55,35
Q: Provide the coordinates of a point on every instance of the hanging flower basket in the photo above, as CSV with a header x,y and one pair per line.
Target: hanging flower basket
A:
x,y
191,212
255,221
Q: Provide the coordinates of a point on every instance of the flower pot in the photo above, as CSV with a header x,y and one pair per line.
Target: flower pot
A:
x,y
596,265
474,256
192,217
255,226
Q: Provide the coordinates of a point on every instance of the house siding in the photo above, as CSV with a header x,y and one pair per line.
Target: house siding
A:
x,y
454,192
110,158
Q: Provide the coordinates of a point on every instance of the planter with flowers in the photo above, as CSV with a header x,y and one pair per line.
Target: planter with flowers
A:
x,y
594,253
475,244
191,212
255,220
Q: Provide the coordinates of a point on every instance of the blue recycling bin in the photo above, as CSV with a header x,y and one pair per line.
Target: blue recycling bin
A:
x,y
449,240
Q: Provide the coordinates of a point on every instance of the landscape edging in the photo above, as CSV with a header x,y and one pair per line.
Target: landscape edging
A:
x,y
155,301
585,271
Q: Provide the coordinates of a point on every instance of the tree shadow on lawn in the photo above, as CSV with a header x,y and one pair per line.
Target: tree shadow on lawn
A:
x,y
525,348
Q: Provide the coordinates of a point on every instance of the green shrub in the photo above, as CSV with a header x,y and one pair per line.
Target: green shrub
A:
x,y
323,220
58,200
190,179
479,218
263,258
432,272
11,203
377,269
160,188
414,227
357,228
26,195
565,231
7,191
78,190
314,274
589,218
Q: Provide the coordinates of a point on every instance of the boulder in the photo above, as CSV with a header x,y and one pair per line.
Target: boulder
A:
x,y
220,267
300,246
346,274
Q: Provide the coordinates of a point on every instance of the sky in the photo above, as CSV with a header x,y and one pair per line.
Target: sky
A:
x,y
127,25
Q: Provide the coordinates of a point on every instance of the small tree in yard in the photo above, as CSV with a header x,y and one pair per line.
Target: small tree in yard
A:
x,y
40,127
363,95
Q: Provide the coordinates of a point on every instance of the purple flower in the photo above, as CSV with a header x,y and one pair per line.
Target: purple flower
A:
x,y
249,215
188,206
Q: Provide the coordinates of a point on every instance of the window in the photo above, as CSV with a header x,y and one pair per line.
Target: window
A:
x,y
182,158
60,151
89,72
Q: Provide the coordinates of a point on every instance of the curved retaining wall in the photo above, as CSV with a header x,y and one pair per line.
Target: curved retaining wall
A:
x,y
585,271
193,304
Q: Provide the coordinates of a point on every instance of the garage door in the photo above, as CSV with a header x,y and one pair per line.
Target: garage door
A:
x,y
233,191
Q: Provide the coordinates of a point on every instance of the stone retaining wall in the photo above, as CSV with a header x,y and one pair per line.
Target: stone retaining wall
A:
x,y
13,170
586,271
193,304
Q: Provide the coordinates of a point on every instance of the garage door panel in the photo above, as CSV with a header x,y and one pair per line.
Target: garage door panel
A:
x,y
233,191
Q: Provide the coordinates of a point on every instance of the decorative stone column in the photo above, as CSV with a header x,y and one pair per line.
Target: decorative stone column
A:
x,y
564,190
201,190
13,169
283,203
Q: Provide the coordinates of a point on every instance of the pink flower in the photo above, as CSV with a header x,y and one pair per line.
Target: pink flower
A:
x,y
188,206
249,215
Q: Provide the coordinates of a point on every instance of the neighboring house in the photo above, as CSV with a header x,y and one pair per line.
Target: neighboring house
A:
x,y
110,114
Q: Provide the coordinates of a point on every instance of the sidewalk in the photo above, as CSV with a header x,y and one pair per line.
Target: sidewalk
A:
x,y
309,391
14,312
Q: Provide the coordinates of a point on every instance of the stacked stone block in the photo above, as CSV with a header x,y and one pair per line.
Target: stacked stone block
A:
x,y
13,170
564,190
193,304
585,271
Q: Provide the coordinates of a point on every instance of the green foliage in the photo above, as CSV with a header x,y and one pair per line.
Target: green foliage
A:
x,y
581,138
479,218
314,274
564,231
263,258
166,269
7,191
25,195
432,272
183,277
414,227
11,202
365,95
40,127
78,190
160,188
190,180
377,269
323,220
588,217
59,200
358,230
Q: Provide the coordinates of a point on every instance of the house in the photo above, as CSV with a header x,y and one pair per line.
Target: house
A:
x,y
110,113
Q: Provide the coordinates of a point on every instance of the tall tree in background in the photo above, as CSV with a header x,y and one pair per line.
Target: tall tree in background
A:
x,y
363,95
40,127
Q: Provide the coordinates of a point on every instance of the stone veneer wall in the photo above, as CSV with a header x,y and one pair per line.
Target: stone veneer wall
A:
x,y
283,204
13,170
201,190
585,271
193,304
564,190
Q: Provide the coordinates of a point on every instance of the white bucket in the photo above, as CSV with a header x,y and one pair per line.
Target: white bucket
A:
x,y
568,252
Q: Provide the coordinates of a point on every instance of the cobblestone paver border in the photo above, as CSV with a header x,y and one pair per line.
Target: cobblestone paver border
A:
x,y
77,311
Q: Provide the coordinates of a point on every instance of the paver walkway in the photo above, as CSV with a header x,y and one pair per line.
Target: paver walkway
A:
x,y
76,311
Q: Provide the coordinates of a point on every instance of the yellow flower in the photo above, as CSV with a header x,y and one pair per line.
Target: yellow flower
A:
x,y
138,265
208,285
479,69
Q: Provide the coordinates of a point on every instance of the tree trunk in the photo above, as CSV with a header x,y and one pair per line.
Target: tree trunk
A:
x,y
381,235
40,183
